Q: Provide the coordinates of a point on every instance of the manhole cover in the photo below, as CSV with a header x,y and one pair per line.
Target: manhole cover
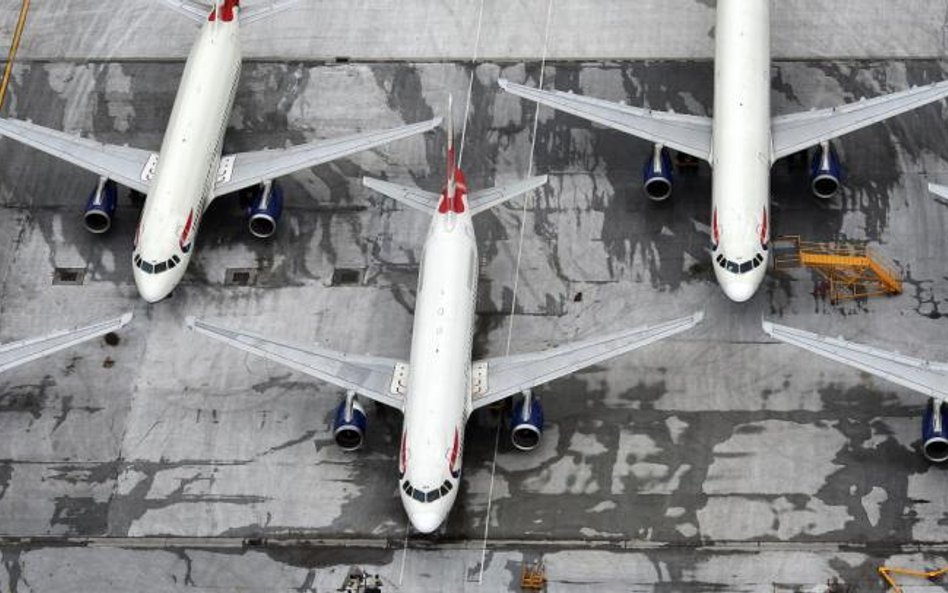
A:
x,y
69,276
347,276
240,277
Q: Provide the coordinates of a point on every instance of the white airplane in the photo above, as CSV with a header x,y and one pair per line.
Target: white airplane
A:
x,y
14,354
926,377
191,172
439,387
939,192
741,142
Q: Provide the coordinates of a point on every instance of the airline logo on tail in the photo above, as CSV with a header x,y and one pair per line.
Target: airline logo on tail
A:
x,y
455,189
227,10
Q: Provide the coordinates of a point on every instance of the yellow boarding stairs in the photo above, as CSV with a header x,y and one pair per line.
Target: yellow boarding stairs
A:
x,y
852,270
888,571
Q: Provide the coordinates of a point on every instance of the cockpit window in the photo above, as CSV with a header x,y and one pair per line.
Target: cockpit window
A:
x,y
740,268
429,496
155,268
161,267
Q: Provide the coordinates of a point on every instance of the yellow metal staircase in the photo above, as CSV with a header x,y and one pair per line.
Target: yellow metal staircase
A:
x,y
851,270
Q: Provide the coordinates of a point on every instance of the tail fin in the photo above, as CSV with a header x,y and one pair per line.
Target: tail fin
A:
x,y
200,11
452,162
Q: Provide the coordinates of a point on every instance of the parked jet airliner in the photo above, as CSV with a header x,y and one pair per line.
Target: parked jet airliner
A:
x,y
14,354
191,172
741,142
439,387
926,377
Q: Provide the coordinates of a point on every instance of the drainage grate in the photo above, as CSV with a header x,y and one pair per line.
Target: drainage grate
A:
x,y
240,277
75,276
347,276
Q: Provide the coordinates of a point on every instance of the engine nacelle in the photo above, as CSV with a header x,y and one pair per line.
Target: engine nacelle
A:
x,y
657,174
264,211
825,172
348,427
935,432
100,207
526,423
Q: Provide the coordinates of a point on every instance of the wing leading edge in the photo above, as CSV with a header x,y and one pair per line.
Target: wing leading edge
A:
x,y
379,379
928,378
16,353
687,133
510,375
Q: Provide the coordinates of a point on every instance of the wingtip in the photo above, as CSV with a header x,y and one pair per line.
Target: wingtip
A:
x,y
189,321
767,326
125,319
698,317
503,82
436,122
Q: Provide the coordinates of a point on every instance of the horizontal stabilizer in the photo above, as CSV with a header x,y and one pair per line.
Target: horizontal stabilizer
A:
x,y
488,198
194,10
263,9
371,376
413,197
509,375
799,131
928,378
688,133
16,353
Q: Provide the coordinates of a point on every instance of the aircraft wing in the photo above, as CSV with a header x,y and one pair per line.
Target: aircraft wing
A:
x,y
687,133
250,168
16,353
506,376
425,201
486,199
928,378
380,379
129,166
940,192
799,131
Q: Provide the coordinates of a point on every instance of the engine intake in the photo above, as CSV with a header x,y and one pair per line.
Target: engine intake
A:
x,y
526,423
348,427
265,210
825,172
935,432
657,174
100,207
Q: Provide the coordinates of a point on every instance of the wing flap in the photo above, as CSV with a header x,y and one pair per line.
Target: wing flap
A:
x,y
374,377
687,133
252,168
926,377
125,165
508,375
14,354
799,131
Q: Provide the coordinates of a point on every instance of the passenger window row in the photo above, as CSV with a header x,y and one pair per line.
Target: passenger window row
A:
x,y
736,268
150,268
430,496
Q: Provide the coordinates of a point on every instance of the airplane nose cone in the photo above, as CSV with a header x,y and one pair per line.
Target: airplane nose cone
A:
x,y
426,521
150,289
739,290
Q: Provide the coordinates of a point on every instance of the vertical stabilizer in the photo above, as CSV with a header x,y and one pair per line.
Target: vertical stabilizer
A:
x,y
452,163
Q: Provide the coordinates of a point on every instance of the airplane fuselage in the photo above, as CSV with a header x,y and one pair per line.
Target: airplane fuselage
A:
x,y
439,385
187,168
742,150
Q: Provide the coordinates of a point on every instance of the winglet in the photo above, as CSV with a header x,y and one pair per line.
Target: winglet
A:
x,y
190,321
125,319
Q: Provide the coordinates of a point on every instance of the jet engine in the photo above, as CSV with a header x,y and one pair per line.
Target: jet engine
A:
x,y
100,207
526,423
657,174
265,209
348,427
825,172
935,432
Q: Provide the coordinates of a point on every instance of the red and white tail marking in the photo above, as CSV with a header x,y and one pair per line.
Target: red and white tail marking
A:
x,y
227,9
455,188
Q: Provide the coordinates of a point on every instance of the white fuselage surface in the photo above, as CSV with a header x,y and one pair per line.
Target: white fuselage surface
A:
x,y
190,152
439,384
741,153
